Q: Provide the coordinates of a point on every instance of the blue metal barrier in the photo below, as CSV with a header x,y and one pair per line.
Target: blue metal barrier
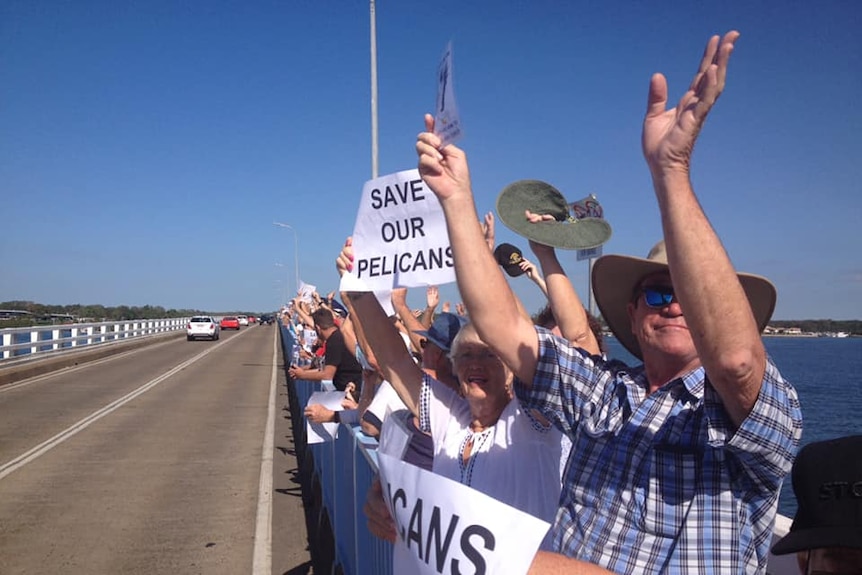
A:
x,y
342,470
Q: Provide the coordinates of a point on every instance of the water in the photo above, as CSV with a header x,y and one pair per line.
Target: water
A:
x,y
827,374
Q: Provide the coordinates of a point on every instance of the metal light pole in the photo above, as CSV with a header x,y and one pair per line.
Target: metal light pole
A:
x,y
295,249
373,14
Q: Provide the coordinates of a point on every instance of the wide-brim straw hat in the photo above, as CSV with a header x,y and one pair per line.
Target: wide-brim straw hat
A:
x,y
615,278
564,232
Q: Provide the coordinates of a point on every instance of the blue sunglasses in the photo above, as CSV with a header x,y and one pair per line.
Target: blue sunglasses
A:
x,y
658,296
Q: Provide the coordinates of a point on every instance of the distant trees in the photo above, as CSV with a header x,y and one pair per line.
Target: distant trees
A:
x,y
95,313
852,326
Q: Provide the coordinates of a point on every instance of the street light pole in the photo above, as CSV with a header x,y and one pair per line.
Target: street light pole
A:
x,y
295,249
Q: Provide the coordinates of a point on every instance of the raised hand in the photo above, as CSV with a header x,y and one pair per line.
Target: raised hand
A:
x,y
488,230
461,309
669,135
344,261
529,268
443,169
432,296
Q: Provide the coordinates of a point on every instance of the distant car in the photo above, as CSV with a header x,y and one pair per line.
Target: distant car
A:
x,y
243,319
252,319
266,319
230,322
202,327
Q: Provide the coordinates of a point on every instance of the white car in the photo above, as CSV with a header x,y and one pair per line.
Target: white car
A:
x,y
243,319
202,327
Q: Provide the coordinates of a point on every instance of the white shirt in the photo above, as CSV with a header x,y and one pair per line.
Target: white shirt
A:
x,y
516,461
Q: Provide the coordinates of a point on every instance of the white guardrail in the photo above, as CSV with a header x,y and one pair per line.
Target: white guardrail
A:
x,y
42,340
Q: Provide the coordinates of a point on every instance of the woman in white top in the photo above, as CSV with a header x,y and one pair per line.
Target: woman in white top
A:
x,y
482,437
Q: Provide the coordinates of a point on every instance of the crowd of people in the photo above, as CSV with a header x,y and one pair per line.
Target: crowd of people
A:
x,y
673,465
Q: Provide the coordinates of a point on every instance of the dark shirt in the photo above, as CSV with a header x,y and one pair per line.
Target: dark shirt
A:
x,y
347,369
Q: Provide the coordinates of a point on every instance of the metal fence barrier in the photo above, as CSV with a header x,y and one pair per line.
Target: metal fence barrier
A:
x,y
23,342
335,478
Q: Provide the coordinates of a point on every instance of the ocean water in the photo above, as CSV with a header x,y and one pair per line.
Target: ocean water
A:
x,y
827,375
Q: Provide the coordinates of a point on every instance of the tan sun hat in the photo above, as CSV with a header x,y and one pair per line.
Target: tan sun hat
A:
x,y
615,278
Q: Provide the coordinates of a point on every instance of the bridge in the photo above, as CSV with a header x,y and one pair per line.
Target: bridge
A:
x,y
150,454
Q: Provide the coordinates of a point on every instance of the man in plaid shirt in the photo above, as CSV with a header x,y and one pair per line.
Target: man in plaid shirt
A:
x,y
676,465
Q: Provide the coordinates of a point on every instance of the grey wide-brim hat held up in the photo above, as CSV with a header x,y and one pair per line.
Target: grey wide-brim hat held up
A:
x,y
564,232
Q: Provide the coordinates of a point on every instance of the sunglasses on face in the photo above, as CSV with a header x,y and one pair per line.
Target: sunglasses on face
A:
x,y
658,296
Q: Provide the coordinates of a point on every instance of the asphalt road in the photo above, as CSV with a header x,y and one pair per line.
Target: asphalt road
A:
x,y
174,458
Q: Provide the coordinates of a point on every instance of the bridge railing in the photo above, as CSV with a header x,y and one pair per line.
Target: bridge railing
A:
x,y
18,342
336,476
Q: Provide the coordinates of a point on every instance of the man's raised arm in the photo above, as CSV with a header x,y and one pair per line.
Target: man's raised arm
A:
x,y
716,309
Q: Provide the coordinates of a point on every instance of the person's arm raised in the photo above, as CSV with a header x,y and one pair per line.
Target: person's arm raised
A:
x,y
716,308
393,358
489,300
398,296
565,303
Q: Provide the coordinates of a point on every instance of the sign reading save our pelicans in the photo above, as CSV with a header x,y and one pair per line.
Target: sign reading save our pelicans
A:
x,y
445,527
400,237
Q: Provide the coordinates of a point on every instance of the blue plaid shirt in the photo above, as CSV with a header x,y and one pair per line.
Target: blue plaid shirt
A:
x,y
663,482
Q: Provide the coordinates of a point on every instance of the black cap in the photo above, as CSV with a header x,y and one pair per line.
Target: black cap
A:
x,y
509,257
827,482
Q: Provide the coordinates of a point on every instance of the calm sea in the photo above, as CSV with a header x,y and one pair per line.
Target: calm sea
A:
x,y
827,374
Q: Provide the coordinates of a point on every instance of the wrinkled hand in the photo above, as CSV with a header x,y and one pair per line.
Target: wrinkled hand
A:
x,y
488,230
432,296
380,522
316,413
669,135
443,169
344,261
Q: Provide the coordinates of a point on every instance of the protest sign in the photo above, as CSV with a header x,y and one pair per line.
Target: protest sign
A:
x,y
322,432
445,527
447,122
400,237
306,291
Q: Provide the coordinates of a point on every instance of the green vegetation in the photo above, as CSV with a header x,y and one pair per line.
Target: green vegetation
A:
x,y
91,313
851,326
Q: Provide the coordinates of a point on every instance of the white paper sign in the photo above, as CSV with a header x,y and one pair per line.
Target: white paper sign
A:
x,y
447,122
322,432
400,237
446,527
306,291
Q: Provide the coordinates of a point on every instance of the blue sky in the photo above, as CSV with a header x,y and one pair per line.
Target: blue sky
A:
x,y
147,147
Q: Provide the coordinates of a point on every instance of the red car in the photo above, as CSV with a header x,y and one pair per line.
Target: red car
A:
x,y
229,322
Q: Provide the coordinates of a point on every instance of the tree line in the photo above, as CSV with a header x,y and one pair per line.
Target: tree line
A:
x,y
42,312
851,326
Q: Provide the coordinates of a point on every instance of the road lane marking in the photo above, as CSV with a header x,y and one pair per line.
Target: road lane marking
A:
x,y
262,563
73,430
65,370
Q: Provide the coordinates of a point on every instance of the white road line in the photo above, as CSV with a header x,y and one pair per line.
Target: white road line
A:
x,y
80,366
262,564
69,432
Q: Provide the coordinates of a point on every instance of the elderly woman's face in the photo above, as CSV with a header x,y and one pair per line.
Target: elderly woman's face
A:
x,y
481,373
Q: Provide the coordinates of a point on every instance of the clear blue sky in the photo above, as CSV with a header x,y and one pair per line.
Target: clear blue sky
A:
x,y
147,147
